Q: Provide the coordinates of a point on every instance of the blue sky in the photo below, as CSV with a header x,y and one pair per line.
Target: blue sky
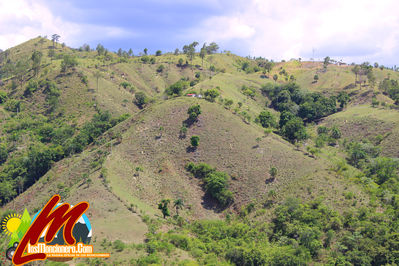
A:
x,y
348,30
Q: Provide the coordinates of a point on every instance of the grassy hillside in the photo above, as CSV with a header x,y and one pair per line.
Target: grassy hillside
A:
x,y
379,125
78,130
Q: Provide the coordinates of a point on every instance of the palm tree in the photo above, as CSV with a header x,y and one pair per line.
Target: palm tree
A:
x,y
55,38
203,53
163,206
178,204
97,75
356,70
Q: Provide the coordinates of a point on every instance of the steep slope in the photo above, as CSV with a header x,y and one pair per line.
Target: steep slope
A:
x,y
226,142
379,125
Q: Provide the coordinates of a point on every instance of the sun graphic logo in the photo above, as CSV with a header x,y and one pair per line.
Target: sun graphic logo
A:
x,y
15,225
10,223
9,226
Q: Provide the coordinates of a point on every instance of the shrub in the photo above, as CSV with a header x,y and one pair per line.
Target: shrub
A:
x,y
68,62
193,112
145,59
200,170
216,182
125,85
3,153
335,132
183,131
160,68
13,105
3,96
194,140
250,92
141,99
322,130
294,130
118,245
31,88
267,119
177,88
211,94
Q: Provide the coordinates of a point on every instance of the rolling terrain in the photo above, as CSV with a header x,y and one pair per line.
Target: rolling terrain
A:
x,y
79,120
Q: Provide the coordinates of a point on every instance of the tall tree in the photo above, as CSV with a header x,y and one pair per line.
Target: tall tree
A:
x,y
327,60
268,66
55,38
356,71
68,62
100,49
20,69
212,48
189,50
36,59
145,51
51,54
178,204
97,75
163,206
203,53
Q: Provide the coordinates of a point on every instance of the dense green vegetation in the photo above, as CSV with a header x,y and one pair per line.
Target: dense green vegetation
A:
x,y
390,87
215,182
308,106
50,141
297,234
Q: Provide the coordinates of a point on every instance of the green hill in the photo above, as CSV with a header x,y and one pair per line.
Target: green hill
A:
x,y
310,165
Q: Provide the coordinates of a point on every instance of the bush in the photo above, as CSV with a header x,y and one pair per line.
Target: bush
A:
x,y
177,88
13,105
193,112
322,130
151,259
216,182
179,241
194,140
68,62
31,88
294,130
3,96
145,59
3,153
335,132
160,68
211,94
125,85
267,119
250,92
183,131
200,170
141,99
118,245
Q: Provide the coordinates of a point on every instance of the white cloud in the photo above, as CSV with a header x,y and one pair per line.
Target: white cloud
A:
x,y
349,29
21,20
353,30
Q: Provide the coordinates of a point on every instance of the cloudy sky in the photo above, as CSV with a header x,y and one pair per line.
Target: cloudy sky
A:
x,y
351,30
